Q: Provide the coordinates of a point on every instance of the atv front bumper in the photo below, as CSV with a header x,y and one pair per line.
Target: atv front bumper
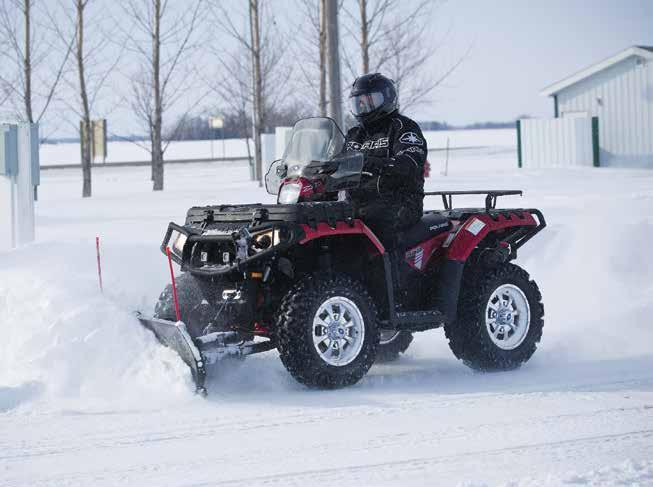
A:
x,y
211,253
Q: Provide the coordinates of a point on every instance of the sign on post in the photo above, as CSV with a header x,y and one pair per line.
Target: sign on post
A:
x,y
99,128
98,139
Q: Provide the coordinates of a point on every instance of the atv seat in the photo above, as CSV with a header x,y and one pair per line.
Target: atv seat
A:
x,y
429,226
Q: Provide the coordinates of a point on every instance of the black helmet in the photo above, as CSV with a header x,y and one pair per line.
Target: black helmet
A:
x,y
372,97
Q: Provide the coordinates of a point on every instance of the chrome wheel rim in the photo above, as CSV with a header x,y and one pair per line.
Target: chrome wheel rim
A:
x,y
386,336
338,331
507,317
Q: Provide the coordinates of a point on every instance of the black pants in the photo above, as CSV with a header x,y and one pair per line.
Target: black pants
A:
x,y
388,221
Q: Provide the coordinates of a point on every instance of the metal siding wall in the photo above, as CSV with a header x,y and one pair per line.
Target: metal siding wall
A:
x,y
626,113
558,142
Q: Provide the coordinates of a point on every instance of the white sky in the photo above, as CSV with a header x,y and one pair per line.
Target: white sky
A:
x,y
521,46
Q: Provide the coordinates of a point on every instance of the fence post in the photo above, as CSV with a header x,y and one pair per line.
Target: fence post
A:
x,y
519,157
596,149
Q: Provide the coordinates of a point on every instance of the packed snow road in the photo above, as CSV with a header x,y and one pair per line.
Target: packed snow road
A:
x,y
89,398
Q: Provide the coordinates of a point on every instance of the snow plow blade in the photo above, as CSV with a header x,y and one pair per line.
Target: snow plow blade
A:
x,y
174,335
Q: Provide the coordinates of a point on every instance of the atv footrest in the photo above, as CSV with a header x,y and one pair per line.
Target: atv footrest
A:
x,y
419,320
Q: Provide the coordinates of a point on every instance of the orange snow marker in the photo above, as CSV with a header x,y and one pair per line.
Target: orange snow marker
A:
x,y
99,265
174,285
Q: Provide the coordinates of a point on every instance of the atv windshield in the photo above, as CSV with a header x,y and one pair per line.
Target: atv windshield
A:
x,y
312,139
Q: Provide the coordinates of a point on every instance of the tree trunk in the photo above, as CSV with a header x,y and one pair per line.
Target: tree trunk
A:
x,y
87,135
335,89
257,86
157,148
27,62
323,60
365,48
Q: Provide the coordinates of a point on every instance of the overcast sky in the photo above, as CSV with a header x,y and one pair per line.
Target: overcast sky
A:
x,y
521,46
516,48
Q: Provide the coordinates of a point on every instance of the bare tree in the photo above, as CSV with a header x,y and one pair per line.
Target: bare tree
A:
x,y
93,66
266,75
86,139
395,38
311,47
33,63
162,40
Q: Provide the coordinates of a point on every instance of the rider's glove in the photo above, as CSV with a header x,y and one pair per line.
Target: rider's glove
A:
x,y
374,165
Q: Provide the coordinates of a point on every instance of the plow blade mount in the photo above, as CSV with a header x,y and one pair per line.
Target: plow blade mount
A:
x,y
174,335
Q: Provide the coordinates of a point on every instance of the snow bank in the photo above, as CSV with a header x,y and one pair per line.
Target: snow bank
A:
x,y
63,339
597,282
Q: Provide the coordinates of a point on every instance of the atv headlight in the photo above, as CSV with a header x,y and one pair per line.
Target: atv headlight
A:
x,y
265,240
289,193
178,243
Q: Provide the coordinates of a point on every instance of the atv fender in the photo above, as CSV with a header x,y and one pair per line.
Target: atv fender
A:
x,y
477,227
355,227
463,242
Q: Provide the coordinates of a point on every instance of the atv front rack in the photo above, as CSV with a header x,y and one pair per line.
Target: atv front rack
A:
x,y
490,196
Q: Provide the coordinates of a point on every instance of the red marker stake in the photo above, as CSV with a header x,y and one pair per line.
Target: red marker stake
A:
x,y
174,285
99,265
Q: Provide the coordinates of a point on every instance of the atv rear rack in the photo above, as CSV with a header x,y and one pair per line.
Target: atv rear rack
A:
x,y
490,198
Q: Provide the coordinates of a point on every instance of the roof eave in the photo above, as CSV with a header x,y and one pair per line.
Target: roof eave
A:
x,y
555,88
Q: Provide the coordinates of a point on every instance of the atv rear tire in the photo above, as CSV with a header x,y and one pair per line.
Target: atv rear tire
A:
x,y
192,307
500,319
327,331
390,347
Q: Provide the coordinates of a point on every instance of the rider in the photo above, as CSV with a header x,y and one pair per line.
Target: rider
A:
x,y
395,153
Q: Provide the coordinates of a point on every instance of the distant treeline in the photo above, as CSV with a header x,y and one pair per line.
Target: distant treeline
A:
x,y
238,126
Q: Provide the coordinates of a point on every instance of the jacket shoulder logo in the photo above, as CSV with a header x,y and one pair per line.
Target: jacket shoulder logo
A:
x,y
411,138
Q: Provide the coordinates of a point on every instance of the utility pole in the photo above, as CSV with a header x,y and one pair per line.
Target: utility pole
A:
x,y
365,47
27,61
333,60
257,86
323,60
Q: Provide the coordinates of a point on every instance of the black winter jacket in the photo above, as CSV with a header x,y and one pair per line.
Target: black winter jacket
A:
x,y
394,147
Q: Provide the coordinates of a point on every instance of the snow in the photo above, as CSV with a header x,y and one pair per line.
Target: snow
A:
x,y
87,397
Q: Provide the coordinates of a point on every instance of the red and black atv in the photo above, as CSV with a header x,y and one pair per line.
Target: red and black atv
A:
x,y
306,277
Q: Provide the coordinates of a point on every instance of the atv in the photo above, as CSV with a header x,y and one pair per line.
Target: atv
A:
x,y
307,277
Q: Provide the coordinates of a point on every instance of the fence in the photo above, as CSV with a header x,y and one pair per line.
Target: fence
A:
x,y
558,142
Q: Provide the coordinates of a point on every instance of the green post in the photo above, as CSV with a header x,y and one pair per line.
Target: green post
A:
x,y
595,142
519,160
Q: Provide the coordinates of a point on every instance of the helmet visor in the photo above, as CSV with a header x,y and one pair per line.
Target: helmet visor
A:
x,y
366,103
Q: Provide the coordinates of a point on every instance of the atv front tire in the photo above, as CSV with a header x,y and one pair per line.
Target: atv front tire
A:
x,y
327,333
500,319
392,344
